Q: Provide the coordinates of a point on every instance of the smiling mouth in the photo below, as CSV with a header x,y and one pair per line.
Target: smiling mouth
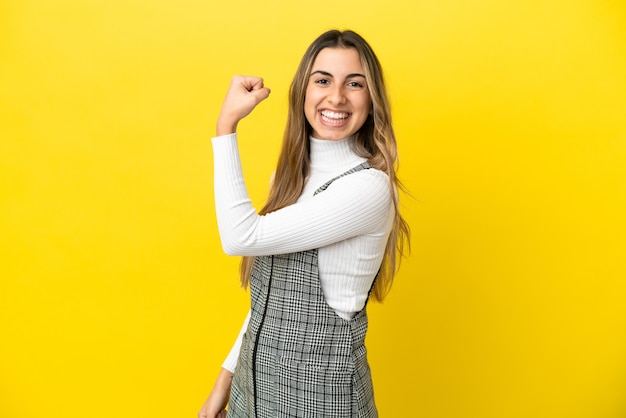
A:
x,y
334,118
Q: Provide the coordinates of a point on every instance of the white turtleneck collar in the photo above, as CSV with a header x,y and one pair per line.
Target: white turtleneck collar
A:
x,y
330,155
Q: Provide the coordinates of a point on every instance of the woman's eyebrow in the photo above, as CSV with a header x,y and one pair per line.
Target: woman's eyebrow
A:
x,y
327,74
324,73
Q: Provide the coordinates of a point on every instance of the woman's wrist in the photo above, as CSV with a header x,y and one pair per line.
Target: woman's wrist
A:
x,y
225,127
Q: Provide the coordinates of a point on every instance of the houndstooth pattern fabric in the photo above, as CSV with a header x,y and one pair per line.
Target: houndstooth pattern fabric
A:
x,y
298,358
362,166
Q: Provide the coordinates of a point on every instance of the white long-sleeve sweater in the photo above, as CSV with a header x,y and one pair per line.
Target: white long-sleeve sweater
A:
x,y
348,223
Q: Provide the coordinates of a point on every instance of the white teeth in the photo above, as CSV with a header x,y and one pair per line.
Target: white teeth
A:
x,y
329,116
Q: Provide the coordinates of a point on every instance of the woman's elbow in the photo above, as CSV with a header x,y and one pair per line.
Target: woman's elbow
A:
x,y
236,247
230,248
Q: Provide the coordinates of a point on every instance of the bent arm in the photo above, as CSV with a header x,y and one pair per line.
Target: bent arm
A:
x,y
354,205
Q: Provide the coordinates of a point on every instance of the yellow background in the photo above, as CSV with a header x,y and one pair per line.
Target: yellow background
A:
x,y
116,299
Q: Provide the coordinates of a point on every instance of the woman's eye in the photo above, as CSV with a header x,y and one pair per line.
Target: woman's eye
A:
x,y
322,81
355,84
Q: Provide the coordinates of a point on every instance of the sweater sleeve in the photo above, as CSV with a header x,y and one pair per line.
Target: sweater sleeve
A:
x,y
231,360
353,205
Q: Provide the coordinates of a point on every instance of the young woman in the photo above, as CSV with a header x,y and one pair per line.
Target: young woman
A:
x,y
328,236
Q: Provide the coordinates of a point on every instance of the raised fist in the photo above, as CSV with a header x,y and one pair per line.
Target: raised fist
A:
x,y
244,93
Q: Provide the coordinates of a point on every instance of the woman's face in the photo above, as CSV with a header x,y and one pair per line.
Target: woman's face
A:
x,y
337,100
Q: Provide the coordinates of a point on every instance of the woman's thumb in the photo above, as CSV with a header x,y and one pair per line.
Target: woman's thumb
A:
x,y
261,94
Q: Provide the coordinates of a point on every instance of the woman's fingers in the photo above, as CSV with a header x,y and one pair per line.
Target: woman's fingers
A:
x,y
244,94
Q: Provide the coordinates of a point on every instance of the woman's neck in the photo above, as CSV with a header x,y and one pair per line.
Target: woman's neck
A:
x,y
329,155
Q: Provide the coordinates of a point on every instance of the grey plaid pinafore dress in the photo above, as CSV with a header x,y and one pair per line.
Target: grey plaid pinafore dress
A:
x,y
298,358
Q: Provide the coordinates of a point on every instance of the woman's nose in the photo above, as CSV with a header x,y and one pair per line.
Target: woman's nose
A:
x,y
337,96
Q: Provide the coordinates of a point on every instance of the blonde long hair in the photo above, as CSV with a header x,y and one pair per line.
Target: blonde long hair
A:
x,y
375,141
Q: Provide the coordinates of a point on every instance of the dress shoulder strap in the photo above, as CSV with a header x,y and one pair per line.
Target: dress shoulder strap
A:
x,y
362,166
